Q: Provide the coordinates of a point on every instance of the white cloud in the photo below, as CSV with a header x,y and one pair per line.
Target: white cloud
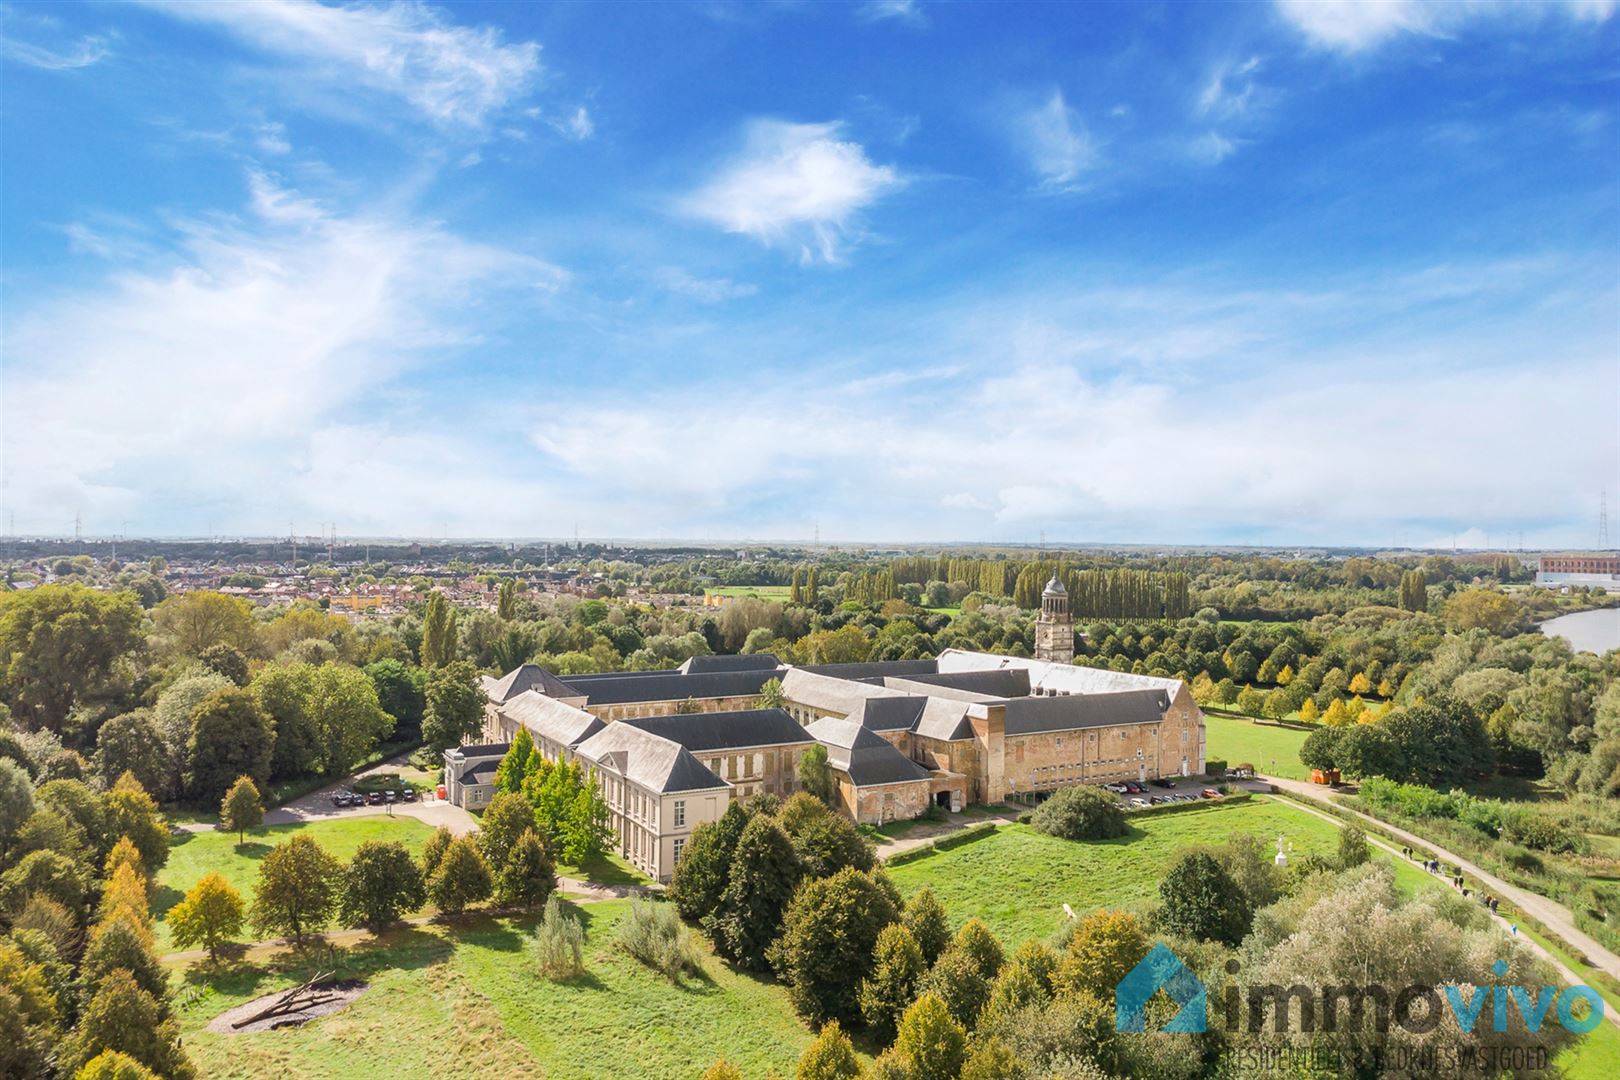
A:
x,y
204,376
1230,90
793,185
1212,148
905,11
271,138
452,74
1058,146
703,290
579,124
1352,25
88,50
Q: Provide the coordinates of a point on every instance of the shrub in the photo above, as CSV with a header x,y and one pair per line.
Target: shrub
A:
x,y
654,934
559,942
1214,767
1081,813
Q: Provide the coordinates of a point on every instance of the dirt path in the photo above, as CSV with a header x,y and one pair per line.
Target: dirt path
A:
x,y
1506,925
1549,913
928,834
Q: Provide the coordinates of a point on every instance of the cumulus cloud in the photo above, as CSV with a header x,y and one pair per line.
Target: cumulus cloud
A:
x,y
799,186
204,374
453,75
1352,25
1058,147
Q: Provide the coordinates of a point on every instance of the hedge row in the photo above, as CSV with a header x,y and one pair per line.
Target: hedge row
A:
x,y
1172,807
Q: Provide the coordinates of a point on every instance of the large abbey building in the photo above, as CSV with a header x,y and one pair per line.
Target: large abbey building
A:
x,y
901,736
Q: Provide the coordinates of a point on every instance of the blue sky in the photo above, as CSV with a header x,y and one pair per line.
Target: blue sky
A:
x,y
1258,273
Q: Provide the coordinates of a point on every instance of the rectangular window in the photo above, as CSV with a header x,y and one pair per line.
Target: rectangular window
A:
x,y
680,813
680,846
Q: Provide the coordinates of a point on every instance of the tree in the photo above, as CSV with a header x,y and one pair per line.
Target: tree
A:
x,y
764,872
770,694
527,878
242,809
506,600
210,915
283,689
1320,749
1103,948
461,878
59,642
434,849
400,692
345,717
1081,812
514,766
1414,591
829,933
992,1059
131,742
1485,609
930,1044
507,817
47,873
925,918
132,813
123,1017
455,706
190,623
125,894
297,892
438,631
1202,901
830,1055
1308,711
1250,702
16,800
1353,847
891,986
122,944
231,736
226,660
380,884
111,1065
825,841
588,829
700,875
816,775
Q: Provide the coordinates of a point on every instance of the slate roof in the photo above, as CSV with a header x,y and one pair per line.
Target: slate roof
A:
x,y
1064,678
481,773
745,662
876,669
865,757
556,720
889,713
483,749
629,688
650,760
943,718
991,682
526,677
830,693
1026,716
704,732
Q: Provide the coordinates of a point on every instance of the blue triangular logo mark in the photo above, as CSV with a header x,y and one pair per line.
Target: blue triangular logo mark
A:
x,y
1160,969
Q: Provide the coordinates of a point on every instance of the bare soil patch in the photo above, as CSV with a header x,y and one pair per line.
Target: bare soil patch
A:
x,y
331,997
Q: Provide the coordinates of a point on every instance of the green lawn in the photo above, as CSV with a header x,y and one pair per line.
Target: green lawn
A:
x,y
468,1003
193,854
1018,880
1274,751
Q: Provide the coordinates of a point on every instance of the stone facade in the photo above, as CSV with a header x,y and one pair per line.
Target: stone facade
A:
x,y
609,713
761,771
1054,628
876,804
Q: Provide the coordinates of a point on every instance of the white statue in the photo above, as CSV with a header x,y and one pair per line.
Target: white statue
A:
x,y
1281,859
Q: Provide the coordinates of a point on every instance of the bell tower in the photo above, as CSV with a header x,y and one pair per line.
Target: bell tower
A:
x,y
1054,630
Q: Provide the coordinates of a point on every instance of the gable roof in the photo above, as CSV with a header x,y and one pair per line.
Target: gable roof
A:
x,y
1063,678
1078,711
703,732
875,669
943,718
632,687
830,693
523,678
987,682
742,662
866,758
555,720
889,713
650,760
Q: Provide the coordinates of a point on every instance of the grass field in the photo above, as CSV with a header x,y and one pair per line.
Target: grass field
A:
x,y
1018,880
1274,751
468,1003
193,854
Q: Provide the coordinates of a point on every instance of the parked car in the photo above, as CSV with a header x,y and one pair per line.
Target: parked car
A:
x,y
390,796
1210,793
1139,802
1134,788
374,798
1163,781
408,795
340,798
1117,789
